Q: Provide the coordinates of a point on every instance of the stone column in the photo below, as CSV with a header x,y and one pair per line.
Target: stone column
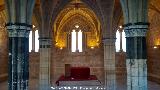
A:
x,y
136,56
135,19
18,55
19,14
45,57
109,63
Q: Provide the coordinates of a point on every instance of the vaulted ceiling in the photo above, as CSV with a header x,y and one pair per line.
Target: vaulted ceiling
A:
x,y
95,5
77,13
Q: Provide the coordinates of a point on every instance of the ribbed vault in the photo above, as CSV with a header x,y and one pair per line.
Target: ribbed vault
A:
x,y
77,14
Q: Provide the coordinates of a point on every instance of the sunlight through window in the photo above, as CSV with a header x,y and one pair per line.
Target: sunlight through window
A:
x,y
73,41
118,41
80,41
36,41
76,41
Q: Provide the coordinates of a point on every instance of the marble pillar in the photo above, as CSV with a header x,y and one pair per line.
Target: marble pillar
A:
x,y
45,57
109,63
18,55
136,56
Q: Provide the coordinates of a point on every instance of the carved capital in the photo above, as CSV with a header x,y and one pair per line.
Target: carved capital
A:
x,y
45,42
19,33
136,30
18,29
109,41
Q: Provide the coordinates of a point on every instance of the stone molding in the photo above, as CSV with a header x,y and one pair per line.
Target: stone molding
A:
x,y
18,29
136,30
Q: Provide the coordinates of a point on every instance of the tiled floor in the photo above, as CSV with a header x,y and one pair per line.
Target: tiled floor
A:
x,y
121,84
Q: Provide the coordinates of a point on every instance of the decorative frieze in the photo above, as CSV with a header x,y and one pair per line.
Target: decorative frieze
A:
x,y
136,32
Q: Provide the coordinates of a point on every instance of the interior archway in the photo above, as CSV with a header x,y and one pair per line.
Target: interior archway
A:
x,y
76,13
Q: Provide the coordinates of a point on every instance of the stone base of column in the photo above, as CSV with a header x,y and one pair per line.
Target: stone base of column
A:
x,y
110,82
136,74
44,85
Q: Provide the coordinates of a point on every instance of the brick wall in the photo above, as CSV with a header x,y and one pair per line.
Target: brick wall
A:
x,y
92,58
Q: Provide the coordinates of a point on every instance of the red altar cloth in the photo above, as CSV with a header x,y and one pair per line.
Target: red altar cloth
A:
x,y
80,72
63,78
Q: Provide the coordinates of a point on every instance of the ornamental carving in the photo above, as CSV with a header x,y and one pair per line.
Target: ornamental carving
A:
x,y
18,31
136,30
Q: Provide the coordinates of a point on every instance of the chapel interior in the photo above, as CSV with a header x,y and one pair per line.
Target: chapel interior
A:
x,y
79,44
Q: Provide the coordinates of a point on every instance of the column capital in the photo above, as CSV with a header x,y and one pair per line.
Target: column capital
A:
x,y
136,29
109,41
45,39
45,42
18,29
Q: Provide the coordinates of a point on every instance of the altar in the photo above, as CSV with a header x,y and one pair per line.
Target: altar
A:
x,y
69,81
79,76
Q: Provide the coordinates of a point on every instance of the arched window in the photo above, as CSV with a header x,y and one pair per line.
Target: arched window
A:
x,y
118,41
80,41
33,38
76,41
36,41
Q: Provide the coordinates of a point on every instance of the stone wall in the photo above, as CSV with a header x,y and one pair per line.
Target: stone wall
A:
x,y
121,63
34,65
92,58
153,46
154,64
3,55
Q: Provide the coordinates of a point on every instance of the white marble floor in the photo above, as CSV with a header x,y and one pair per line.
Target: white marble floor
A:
x,y
121,84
